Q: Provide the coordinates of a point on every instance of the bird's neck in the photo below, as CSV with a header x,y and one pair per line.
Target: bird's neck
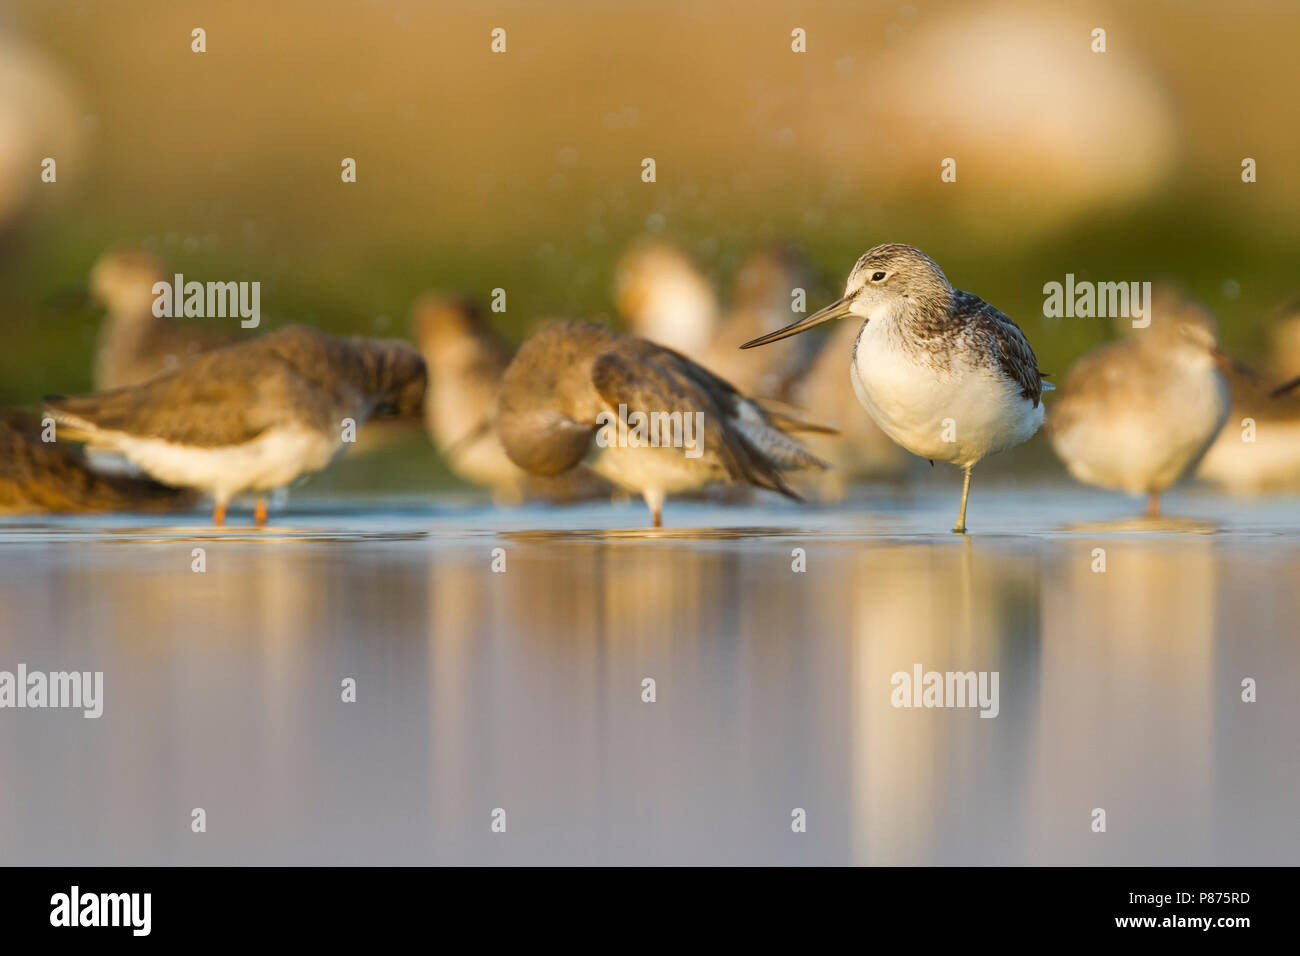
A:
x,y
925,317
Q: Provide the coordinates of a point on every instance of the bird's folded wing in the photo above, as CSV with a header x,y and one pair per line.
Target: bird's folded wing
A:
x,y
1014,355
219,399
649,378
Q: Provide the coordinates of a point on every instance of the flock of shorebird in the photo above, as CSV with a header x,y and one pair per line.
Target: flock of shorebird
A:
x,y
932,370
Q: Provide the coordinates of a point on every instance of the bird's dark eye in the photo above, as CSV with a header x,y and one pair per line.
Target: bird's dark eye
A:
x,y
877,276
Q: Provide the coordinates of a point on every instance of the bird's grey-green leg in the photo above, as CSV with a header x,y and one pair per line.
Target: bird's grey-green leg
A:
x,y
960,526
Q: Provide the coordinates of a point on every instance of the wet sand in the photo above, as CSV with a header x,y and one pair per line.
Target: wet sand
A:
x,y
522,690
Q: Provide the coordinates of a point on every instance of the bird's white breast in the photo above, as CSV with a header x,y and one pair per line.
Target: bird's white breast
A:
x,y
1147,444
274,459
664,470
958,409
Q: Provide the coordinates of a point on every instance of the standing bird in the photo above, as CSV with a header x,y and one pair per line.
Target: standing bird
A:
x,y
942,372
134,344
466,362
1137,414
255,416
643,416
37,476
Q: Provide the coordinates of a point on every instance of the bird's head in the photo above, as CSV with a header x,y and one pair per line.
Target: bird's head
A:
x,y
122,281
440,322
398,376
886,279
664,297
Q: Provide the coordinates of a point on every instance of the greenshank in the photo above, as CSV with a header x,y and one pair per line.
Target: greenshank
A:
x,y
1137,415
942,372
579,393
250,417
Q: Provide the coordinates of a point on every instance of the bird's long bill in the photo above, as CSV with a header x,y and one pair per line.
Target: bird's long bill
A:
x,y
837,309
1284,388
1228,363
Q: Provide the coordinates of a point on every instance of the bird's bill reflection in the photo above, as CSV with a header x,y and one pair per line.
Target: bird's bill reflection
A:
x,y
836,310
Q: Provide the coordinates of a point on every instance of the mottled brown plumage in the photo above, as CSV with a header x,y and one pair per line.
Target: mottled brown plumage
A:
x,y
232,395
1139,413
38,477
567,375
251,416
1000,340
467,361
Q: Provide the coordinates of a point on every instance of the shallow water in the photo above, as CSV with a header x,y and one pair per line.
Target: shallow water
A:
x,y
1118,689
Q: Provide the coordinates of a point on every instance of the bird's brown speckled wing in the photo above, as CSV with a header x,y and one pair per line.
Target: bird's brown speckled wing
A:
x,y
650,378
220,398
1012,352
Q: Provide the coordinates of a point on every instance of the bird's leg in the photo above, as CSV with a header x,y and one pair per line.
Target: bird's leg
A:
x,y
960,526
259,512
219,514
1153,505
655,501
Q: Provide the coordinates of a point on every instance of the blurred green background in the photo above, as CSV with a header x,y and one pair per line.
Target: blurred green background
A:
x,y
522,170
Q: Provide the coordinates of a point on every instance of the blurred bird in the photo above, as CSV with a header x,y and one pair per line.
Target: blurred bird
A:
x,y
664,297
1137,415
466,362
1284,339
39,476
255,416
762,302
575,389
134,344
1259,449
942,372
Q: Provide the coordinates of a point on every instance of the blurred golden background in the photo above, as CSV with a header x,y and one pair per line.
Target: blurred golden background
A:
x,y
522,170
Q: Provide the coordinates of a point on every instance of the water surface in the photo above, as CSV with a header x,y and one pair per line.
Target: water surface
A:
x,y
522,690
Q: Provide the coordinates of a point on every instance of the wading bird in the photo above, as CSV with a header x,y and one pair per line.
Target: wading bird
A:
x,y
572,396
466,362
1137,415
250,417
942,372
